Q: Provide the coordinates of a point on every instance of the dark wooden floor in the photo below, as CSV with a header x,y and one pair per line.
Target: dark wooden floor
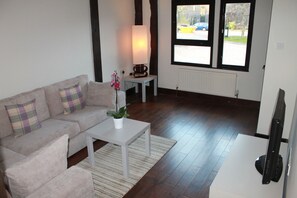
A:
x,y
205,129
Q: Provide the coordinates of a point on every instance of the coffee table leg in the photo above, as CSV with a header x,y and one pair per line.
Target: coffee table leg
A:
x,y
125,160
148,142
90,150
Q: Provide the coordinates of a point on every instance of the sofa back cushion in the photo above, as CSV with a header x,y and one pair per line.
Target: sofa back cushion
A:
x,y
6,128
40,101
23,117
27,175
101,94
53,97
41,108
72,99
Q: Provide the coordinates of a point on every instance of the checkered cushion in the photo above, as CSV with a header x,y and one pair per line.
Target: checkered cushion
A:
x,y
72,99
23,117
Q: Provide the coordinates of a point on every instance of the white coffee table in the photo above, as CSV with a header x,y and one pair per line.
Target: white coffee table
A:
x,y
105,131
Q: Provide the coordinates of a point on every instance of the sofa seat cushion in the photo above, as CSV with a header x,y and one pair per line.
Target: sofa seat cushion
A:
x,y
8,158
50,130
87,117
75,182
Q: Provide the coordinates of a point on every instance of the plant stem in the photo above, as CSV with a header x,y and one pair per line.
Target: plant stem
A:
x,y
116,103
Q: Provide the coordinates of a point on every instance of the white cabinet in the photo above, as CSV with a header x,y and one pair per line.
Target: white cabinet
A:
x,y
238,176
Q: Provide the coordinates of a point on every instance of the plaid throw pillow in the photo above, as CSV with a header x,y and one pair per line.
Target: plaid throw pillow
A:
x,y
23,117
72,99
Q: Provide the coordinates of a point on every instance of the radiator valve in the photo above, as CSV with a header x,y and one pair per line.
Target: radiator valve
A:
x,y
236,93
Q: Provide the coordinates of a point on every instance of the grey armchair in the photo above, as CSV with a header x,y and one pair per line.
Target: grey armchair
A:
x,y
44,173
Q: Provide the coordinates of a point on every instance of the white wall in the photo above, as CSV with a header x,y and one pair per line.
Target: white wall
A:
x,y
43,41
116,19
281,64
249,83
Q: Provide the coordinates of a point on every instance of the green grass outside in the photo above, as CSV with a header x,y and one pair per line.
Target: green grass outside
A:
x,y
236,39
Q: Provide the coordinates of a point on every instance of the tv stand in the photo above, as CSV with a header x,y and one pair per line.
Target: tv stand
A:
x,y
238,176
260,163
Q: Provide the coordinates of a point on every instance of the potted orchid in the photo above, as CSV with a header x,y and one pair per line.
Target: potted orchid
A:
x,y
119,113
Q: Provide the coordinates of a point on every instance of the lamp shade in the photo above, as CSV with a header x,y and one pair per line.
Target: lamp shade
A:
x,y
139,44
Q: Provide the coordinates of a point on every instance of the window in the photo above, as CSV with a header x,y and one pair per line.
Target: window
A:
x,y
235,36
192,32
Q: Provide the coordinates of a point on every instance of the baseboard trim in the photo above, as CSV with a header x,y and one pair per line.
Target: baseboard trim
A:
x,y
267,137
206,97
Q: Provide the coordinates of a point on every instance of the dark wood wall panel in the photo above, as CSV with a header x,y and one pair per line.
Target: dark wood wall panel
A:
x,y
138,12
96,40
154,37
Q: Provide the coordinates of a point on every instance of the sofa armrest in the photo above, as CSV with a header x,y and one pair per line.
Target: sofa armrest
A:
x,y
75,182
102,94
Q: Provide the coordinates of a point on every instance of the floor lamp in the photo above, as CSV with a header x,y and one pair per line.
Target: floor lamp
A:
x,y
140,50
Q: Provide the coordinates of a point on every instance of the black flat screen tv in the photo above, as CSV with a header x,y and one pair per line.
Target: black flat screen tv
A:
x,y
271,164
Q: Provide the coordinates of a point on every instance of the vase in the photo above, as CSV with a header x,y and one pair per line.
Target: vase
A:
x,y
118,123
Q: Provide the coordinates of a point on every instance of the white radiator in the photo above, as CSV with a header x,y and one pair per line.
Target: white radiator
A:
x,y
208,82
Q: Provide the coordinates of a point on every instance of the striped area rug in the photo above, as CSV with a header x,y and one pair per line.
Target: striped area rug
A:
x,y
108,172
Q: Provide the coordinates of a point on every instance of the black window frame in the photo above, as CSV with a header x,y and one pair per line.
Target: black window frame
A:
x,y
221,36
188,42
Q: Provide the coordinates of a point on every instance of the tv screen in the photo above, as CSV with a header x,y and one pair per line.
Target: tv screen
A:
x,y
271,164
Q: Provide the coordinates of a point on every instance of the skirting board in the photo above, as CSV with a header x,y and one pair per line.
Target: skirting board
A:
x,y
233,101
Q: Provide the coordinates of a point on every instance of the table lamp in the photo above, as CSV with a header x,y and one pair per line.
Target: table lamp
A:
x,y
139,50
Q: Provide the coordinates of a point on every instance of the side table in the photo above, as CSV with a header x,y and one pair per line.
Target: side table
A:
x,y
143,81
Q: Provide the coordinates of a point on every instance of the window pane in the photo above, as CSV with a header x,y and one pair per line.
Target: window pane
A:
x,y
192,54
192,22
235,33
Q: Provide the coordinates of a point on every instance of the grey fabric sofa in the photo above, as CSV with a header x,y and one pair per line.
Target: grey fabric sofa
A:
x,y
54,123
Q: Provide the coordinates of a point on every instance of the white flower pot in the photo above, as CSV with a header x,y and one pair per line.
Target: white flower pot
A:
x,y
118,123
